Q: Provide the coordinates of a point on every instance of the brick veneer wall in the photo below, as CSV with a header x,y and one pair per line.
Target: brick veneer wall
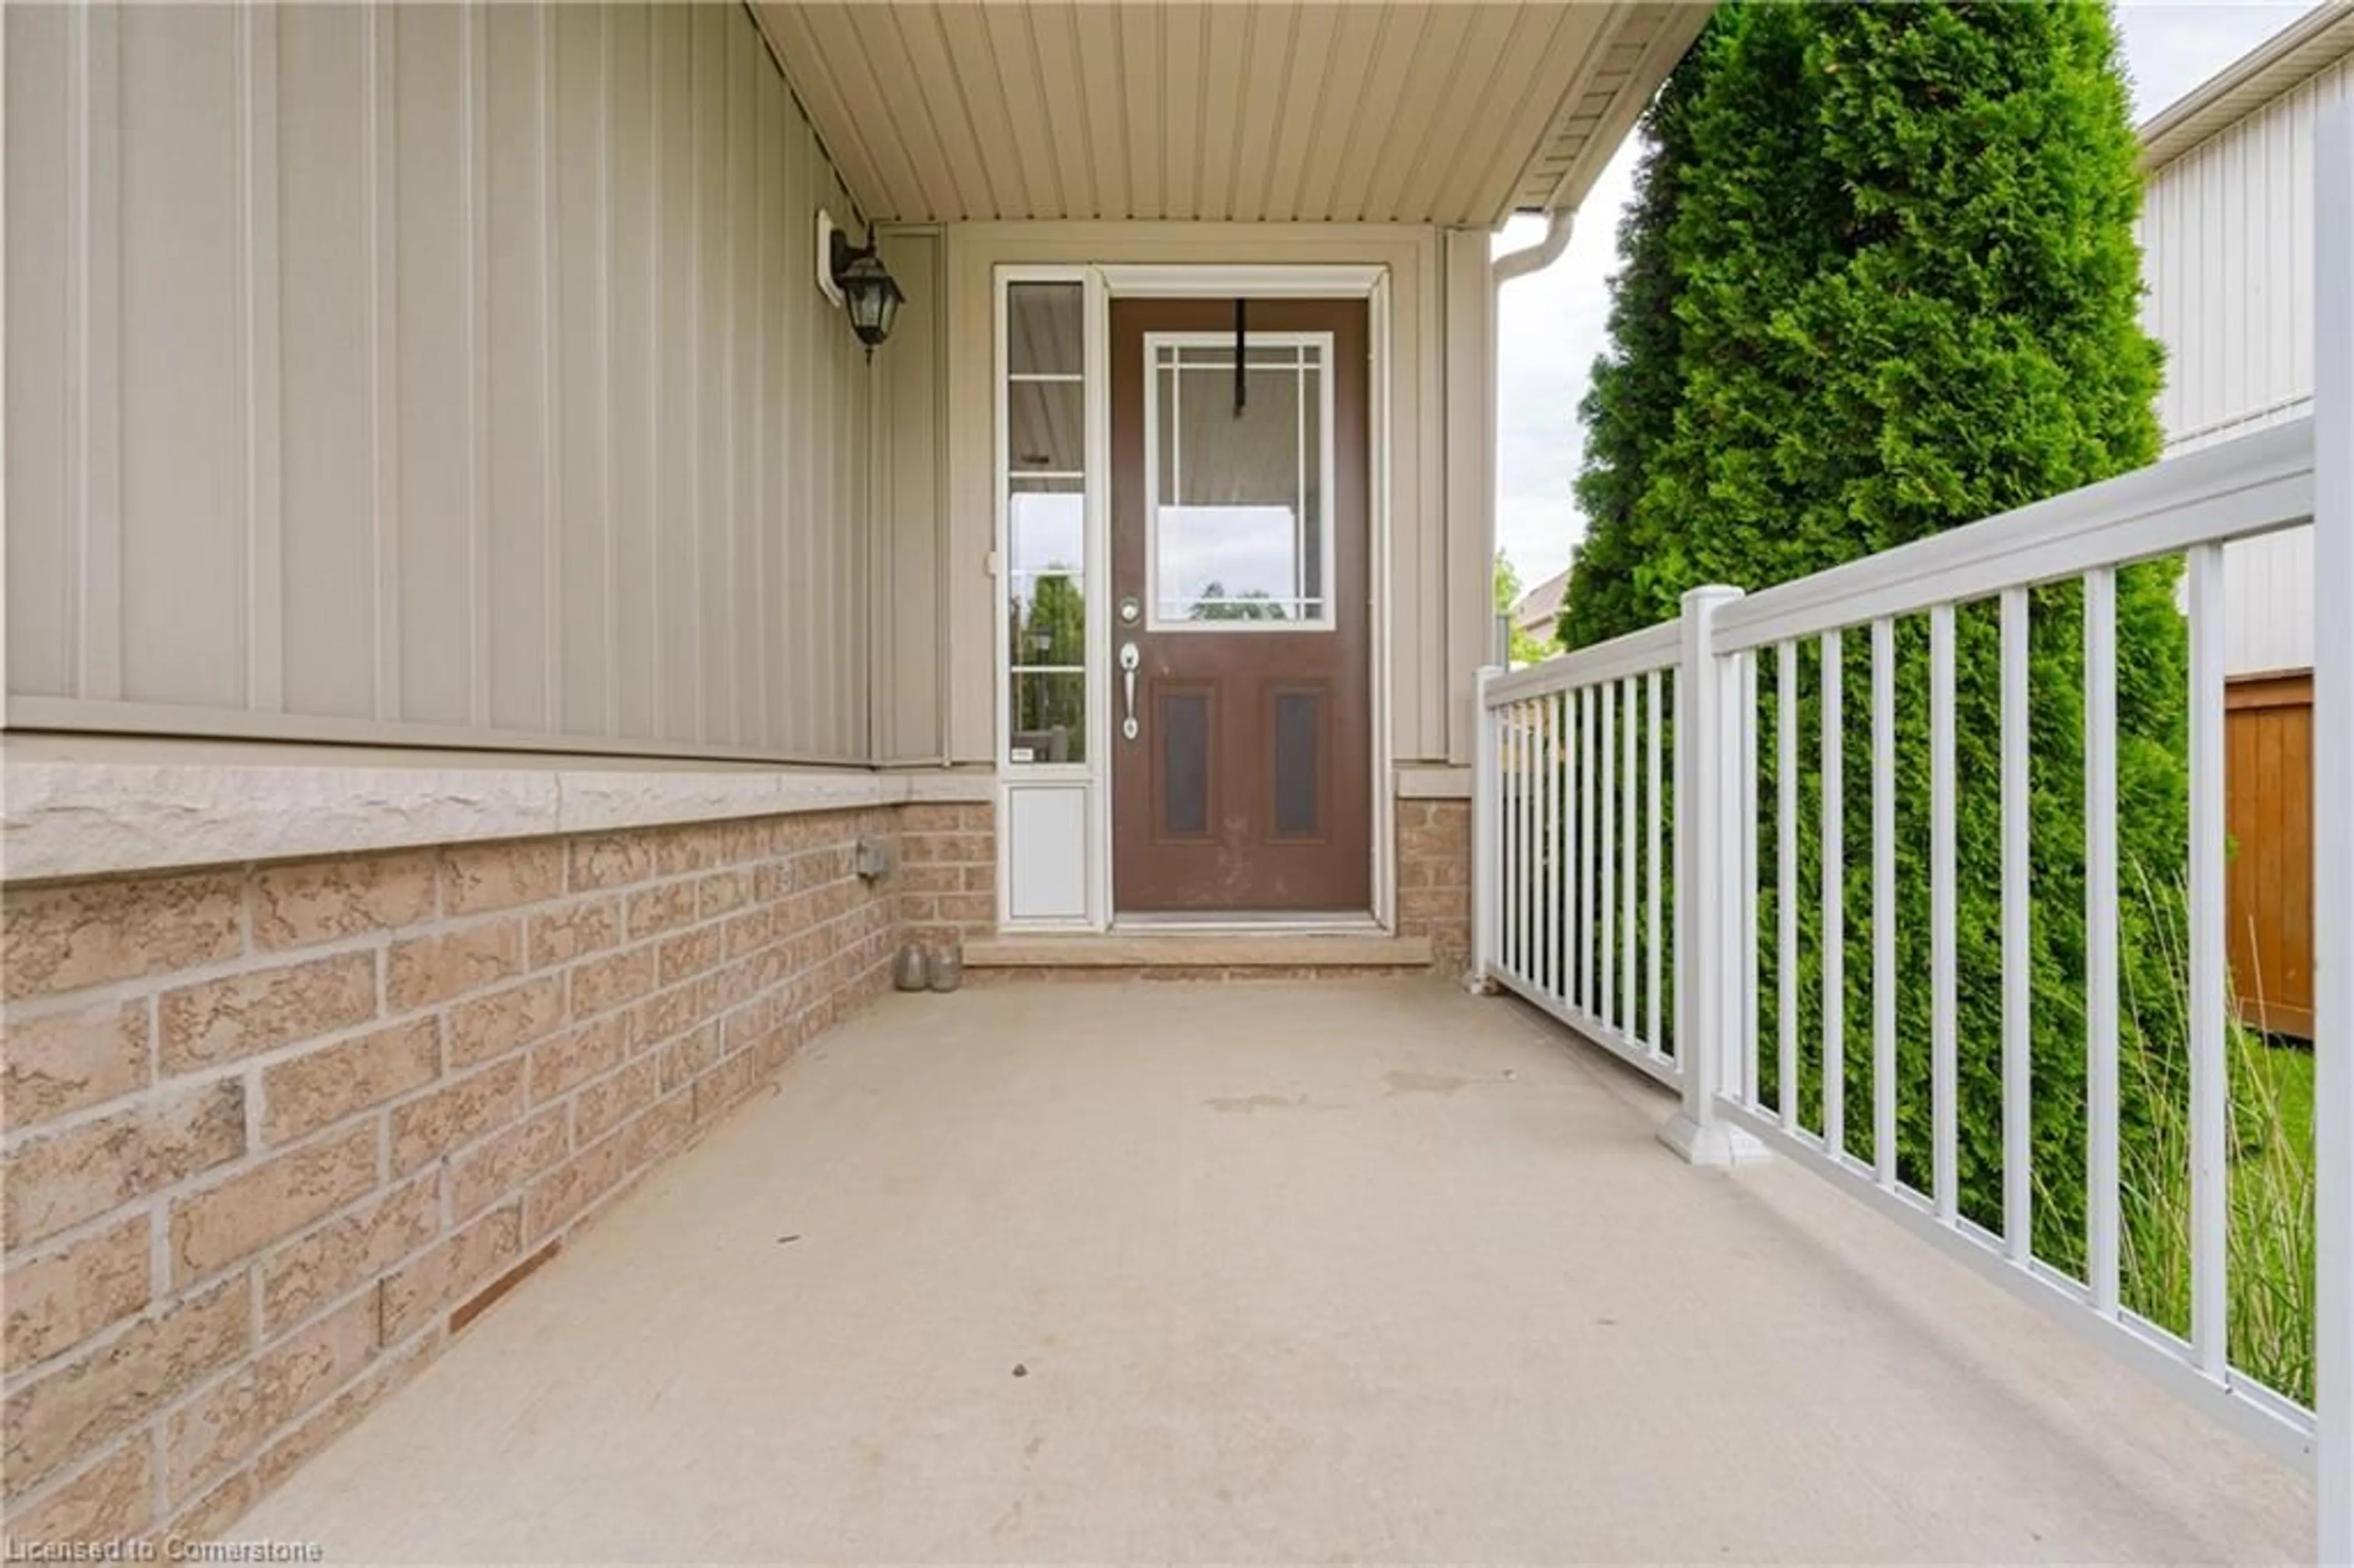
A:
x,y
273,1133
1434,879
948,871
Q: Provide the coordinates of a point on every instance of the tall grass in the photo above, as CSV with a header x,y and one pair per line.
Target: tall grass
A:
x,y
2270,1248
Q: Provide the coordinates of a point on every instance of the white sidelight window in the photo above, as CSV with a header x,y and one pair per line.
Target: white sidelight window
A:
x,y
1046,576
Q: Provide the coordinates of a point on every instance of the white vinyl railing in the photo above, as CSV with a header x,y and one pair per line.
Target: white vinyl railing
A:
x,y
1578,773
1623,815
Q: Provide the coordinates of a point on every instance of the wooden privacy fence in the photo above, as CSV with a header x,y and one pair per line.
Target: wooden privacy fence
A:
x,y
2268,812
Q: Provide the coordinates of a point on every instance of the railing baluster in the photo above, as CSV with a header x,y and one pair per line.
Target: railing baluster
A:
x,y
1654,827
1786,876
2018,1083
1748,753
1629,1019
2101,1109
1606,990
1883,901
2211,1083
1946,1164
1583,933
1484,847
1523,768
1834,933
1549,898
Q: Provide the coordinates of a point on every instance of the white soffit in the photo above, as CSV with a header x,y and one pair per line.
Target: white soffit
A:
x,y
1461,111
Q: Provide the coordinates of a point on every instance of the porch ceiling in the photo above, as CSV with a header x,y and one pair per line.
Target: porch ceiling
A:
x,y
1449,112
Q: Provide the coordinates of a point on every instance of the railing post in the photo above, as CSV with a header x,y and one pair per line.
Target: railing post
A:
x,y
1707,872
2333,831
1486,868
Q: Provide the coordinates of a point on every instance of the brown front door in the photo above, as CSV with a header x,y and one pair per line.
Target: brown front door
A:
x,y
1242,734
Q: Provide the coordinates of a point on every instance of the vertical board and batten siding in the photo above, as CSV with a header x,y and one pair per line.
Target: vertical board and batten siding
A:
x,y
451,376
2227,248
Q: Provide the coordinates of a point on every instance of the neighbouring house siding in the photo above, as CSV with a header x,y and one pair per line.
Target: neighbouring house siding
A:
x,y
428,375
2227,244
274,1132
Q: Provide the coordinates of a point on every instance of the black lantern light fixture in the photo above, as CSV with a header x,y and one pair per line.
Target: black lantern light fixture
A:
x,y
871,297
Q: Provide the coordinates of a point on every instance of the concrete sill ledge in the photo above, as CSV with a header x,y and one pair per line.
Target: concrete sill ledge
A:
x,y
1188,950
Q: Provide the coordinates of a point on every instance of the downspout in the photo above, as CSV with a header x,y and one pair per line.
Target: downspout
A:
x,y
1542,254
1559,223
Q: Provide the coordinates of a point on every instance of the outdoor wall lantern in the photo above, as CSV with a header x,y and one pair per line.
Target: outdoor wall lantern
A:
x,y
871,297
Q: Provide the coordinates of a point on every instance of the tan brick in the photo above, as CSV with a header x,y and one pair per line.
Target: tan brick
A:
x,y
426,969
749,932
74,1410
606,1104
335,1259
415,1293
498,1167
557,1199
667,1013
223,1020
612,860
491,1025
71,935
55,1302
691,953
726,1084
684,1060
211,1515
588,925
65,1178
724,988
915,849
968,908
238,1217
479,877
318,901
609,981
340,1413
589,1051
426,1129
696,847
65,1061
219,1429
665,906
658,1131
721,892
322,1087
113,1500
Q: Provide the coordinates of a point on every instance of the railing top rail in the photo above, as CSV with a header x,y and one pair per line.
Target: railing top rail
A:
x,y
2252,484
1636,653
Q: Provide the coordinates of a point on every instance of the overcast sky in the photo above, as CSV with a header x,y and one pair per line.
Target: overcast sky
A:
x,y
1552,324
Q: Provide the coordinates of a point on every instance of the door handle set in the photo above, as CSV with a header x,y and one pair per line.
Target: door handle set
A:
x,y
1129,661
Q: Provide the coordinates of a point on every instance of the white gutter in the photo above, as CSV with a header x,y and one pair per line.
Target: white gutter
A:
x,y
1559,223
1543,253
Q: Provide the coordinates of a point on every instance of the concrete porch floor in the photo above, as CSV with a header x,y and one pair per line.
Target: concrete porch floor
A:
x,y
1365,1270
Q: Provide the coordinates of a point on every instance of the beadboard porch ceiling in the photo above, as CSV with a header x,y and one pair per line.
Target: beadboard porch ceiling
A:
x,y
1458,113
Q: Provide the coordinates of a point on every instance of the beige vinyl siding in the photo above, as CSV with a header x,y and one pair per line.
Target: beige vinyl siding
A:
x,y
426,375
911,498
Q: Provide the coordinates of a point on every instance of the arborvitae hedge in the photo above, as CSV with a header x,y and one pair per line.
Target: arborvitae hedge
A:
x,y
1881,281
